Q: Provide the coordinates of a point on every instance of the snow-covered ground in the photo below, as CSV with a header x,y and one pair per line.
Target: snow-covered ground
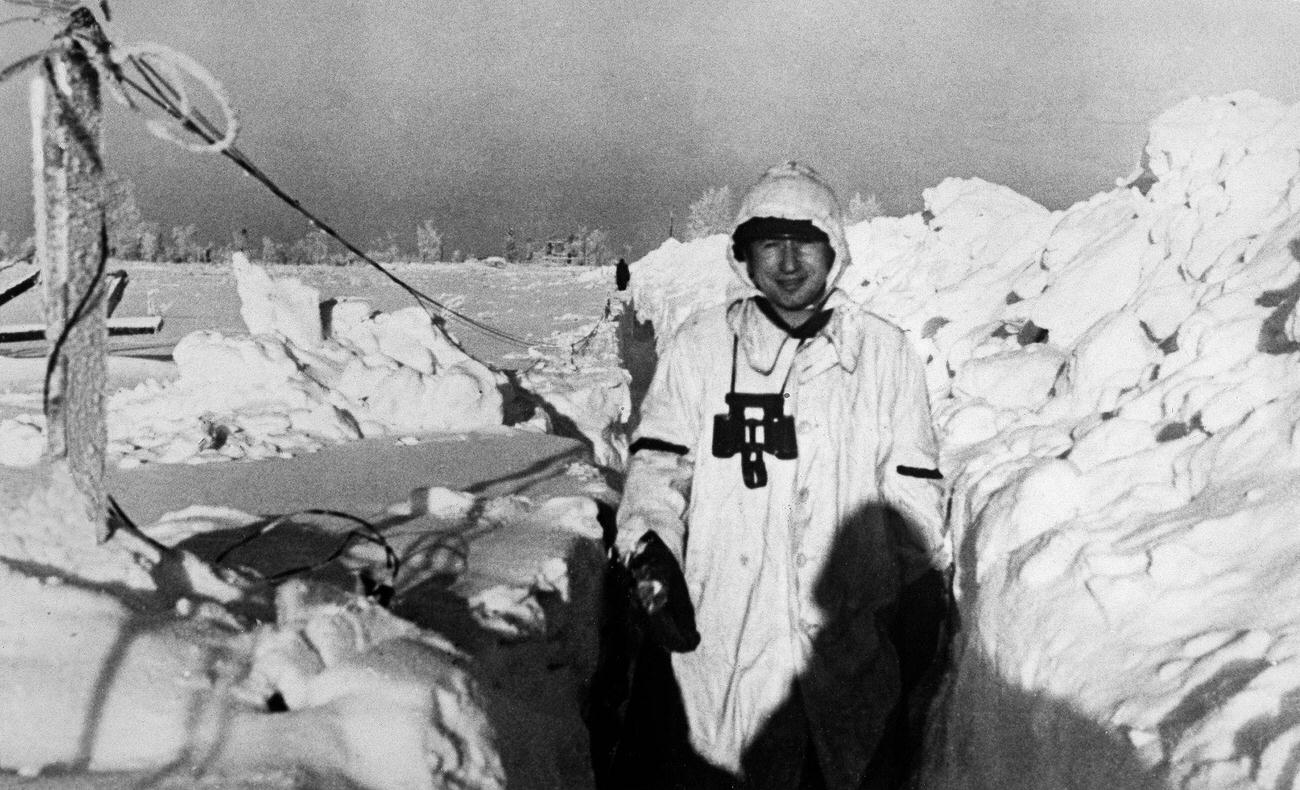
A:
x,y
1117,391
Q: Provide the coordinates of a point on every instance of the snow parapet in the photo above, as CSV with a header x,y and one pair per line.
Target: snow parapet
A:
x,y
1117,391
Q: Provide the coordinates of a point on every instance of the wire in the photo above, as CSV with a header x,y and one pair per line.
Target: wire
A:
x,y
161,93
13,19
371,534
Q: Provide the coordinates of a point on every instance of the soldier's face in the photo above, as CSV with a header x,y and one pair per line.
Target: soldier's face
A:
x,y
790,273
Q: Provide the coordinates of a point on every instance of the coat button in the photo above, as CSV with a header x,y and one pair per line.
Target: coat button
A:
x,y
744,560
800,560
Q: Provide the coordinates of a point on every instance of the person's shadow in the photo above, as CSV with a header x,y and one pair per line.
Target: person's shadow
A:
x,y
637,717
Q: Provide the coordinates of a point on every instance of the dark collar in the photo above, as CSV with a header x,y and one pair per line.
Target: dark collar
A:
x,y
807,329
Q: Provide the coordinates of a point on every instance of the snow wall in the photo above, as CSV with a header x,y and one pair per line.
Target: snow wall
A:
x,y
1116,387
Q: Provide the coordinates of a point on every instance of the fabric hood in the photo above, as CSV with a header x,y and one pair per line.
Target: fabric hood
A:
x,y
792,190
787,191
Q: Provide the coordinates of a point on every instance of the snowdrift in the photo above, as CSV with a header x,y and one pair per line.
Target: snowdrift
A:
x,y
1117,391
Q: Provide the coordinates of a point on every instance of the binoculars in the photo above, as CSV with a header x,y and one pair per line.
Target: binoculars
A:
x,y
734,432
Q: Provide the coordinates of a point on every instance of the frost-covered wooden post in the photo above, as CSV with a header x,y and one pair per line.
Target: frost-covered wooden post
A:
x,y
68,177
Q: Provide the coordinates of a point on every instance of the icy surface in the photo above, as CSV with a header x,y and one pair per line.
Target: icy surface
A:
x,y
1117,391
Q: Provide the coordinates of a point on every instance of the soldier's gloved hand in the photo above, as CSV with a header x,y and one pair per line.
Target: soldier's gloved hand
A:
x,y
659,591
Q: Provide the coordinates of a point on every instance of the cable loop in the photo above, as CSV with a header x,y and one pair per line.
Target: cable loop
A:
x,y
151,56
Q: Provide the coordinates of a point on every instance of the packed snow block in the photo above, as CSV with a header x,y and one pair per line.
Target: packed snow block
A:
x,y
1265,442
1016,379
1225,167
287,307
1043,497
1162,308
988,225
1106,264
1113,356
1111,439
238,369
970,423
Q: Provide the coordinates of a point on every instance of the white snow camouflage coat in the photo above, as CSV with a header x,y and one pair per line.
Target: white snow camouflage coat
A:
x,y
793,580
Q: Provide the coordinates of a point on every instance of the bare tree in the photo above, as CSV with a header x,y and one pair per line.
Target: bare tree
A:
x,y
312,249
149,241
428,242
596,251
271,252
511,248
184,248
125,222
712,213
861,210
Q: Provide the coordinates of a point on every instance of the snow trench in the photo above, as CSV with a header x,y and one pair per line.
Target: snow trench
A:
x,y
1116,388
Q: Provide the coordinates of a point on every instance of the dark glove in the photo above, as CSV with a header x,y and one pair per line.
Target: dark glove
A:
x,y
659,592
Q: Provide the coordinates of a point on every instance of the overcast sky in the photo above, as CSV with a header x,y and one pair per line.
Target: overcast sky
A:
x,y
542,115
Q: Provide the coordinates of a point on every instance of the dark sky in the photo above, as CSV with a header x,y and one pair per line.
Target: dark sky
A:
x,y
546,114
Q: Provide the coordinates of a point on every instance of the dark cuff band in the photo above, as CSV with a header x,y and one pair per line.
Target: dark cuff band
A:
x,y
650,443
916,471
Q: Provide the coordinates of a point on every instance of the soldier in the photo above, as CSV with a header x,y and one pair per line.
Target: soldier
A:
x,y
785,460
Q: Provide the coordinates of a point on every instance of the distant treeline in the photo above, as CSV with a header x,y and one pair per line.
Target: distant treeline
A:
x,y
132,237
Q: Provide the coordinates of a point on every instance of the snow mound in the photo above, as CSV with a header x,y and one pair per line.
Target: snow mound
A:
x,y
1117,391
307,374
392,705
